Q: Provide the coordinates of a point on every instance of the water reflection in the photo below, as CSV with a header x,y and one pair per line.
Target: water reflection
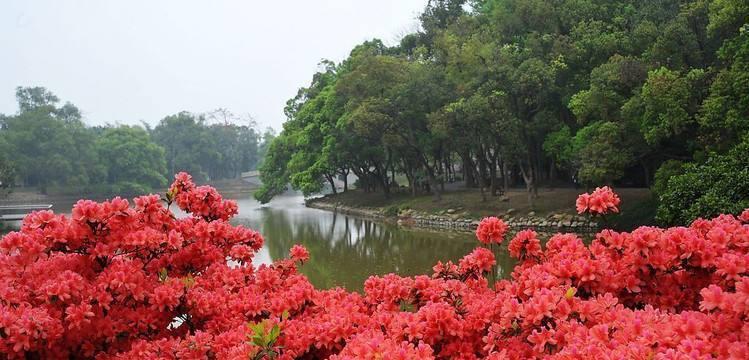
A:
x,y
346,250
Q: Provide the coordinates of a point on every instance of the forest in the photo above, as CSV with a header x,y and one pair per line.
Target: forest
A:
x,y
530,93
49,145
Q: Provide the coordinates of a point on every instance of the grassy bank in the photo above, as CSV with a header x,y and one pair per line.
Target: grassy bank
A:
x,y
638,205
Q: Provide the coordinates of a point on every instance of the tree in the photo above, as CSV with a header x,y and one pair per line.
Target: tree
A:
x,y
219,150
187,147
518,90
602,153
302,155
273,170
719,185
7,167
724,114
134,162
268,135
51,145
31,98
367,89
669,104
611,85
559,146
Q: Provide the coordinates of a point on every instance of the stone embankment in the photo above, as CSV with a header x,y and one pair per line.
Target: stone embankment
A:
x,y
455,219
320,203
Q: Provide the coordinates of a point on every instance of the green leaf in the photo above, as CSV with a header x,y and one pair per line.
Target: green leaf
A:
x,y
274,333
162,275
570,293
188,281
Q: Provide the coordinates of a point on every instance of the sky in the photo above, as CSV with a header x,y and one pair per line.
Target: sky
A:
x,y
123,62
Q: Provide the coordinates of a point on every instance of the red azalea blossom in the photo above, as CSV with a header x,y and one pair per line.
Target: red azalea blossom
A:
x,y
582,203
525,244
115,281
601,201
299,252
744,216
479,261
491,230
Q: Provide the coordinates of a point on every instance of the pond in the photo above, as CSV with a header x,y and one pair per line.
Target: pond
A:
x,y
346,250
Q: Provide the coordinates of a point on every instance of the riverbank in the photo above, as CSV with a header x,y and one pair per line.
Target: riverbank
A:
x,y
462,209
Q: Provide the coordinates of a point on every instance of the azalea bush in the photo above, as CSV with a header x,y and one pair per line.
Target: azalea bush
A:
x,y
117,280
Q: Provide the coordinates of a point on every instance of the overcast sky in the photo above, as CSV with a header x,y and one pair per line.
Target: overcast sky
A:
x,y
132,60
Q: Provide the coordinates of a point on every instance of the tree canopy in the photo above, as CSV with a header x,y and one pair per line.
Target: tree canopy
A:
x,y
501,93
47,144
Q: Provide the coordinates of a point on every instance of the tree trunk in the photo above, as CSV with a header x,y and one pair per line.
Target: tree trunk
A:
x,y
411,184
382,177
552,173
529,182
446,161
410,177
482,173
433,182
440,170
332,183
360,176
468,169
505,176
493,175
431,178
539,165
385,186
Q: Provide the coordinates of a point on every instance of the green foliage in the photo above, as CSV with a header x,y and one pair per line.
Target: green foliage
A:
x,y
611,84
50,145
719,185
209,151
727,15
268,135
559,146
7,166
602,91
602,152
273,171
724,116
392,211
130,188
7,173
134,162
668,169
668,103
32,98
264,339
310,150
52,148
683,41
